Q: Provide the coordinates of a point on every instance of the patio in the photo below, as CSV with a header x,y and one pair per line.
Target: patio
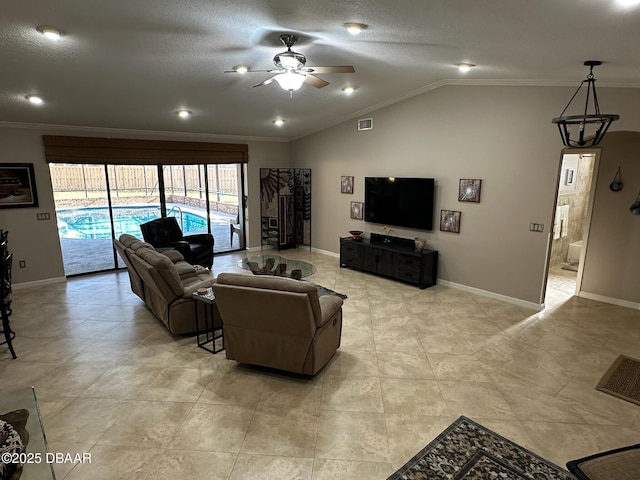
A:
x,y
92,255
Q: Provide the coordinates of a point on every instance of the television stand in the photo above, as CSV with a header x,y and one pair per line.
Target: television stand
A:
x,y
391,257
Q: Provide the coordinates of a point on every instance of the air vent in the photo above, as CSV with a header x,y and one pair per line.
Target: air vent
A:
x,y
365,124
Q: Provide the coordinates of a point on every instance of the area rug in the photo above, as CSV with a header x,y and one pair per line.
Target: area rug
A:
x,y
622,380
327,291
468,451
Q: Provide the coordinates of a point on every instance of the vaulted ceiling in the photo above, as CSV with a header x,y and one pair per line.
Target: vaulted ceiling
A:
x,y
133,64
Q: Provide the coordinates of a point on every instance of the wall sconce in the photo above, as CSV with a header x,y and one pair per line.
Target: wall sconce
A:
x,y
635,208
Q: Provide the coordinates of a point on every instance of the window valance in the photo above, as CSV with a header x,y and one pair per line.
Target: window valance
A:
x,y
63,149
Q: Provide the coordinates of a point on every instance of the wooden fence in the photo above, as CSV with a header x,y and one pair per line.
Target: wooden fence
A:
x,y
184,180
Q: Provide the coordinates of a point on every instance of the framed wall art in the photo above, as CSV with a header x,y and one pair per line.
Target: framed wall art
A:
x,y
346,184
450,221
17,185
469,190
357,210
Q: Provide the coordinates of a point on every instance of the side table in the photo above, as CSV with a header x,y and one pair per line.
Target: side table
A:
x,y
206,337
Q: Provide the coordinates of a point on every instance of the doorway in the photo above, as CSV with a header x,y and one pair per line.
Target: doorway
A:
x,y
570,226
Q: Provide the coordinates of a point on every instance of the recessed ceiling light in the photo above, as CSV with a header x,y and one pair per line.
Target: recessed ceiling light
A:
x,y
51,33
349,89
241,69
184,113
465,67
355,28
35,99
278,122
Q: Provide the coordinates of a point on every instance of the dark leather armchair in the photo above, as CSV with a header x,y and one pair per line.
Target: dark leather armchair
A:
x,y
164,232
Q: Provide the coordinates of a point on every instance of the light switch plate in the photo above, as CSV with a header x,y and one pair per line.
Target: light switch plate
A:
x,y
536,227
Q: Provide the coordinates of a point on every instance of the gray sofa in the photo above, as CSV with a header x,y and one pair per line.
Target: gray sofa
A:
x,y
165,282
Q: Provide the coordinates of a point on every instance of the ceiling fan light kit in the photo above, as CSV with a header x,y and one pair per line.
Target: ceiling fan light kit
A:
x,y
588,129
290,81
291,71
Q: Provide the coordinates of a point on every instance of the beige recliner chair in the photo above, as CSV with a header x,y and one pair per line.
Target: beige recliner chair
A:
x,y
278,322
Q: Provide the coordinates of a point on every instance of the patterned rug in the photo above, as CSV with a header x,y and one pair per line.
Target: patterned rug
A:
x,y
469,451
327,291
622,380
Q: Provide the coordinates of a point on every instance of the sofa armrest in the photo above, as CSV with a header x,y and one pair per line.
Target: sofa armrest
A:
x,y
330,305
192,286
202,238
174,255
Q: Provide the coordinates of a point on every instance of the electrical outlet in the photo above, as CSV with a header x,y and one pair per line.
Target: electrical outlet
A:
x,y
22,264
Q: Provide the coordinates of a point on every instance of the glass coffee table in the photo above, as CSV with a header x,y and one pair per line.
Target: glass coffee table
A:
x,y
276,265
39,467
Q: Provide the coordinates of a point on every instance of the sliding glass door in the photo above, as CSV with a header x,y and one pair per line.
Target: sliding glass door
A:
x,y
82,209
96,203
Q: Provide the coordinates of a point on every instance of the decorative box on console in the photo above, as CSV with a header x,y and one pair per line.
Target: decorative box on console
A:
x,y
392,257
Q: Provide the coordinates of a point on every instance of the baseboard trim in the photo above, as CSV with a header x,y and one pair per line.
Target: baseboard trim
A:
x,y
611,300
503,298
325,252
37,283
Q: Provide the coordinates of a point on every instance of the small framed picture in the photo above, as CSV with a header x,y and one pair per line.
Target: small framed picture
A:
x,y
273,222
357,210
450,221
346,184
469,190
17,185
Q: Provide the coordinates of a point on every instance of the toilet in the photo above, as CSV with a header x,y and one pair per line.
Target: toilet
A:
x,y
575,249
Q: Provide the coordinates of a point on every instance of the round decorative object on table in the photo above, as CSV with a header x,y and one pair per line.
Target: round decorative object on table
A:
x,y
356,234
420,243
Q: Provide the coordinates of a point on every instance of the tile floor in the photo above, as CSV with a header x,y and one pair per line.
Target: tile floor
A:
x,y
112,381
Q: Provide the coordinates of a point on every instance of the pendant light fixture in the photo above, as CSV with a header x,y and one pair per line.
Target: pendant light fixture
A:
x,y
585,130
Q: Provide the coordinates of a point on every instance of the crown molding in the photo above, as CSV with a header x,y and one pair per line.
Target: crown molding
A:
x,y
128,132
460,82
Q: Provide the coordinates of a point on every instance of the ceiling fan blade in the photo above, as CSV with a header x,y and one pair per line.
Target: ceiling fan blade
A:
x,y
315,81
248,71
265,82
339,69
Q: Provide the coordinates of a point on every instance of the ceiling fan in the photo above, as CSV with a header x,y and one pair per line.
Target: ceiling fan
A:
x,y
291,71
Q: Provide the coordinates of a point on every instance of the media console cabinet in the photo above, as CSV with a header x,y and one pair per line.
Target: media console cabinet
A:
x,y
392,257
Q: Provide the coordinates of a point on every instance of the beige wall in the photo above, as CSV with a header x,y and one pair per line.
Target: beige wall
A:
x,y
502,135
612,263
37,242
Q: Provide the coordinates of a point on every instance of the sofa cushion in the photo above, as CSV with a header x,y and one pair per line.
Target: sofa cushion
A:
x,y
165,270
270,282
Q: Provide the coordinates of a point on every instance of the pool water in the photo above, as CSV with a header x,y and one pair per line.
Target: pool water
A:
x,y
94,222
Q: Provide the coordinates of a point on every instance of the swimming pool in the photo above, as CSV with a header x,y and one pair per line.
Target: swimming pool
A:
x,y
94,222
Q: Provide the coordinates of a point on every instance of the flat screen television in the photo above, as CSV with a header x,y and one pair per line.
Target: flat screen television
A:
x,y
401,202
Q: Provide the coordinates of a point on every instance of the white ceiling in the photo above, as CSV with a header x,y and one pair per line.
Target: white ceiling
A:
x,y
132,63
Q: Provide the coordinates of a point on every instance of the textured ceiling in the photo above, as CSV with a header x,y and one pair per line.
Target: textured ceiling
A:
x,y
132,64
